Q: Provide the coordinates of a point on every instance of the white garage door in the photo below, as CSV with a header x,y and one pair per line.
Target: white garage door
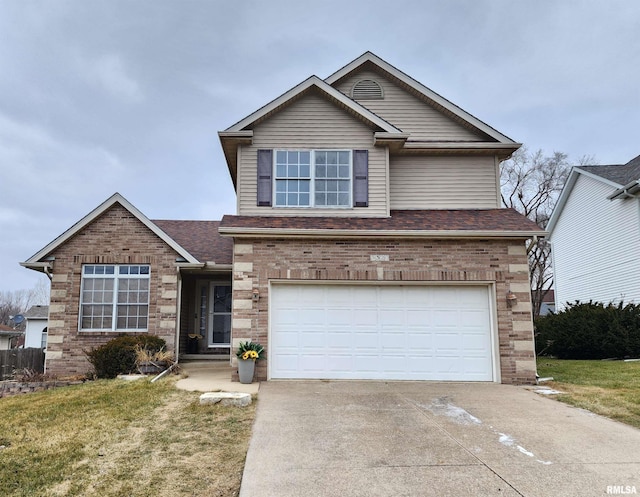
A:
x,y
380,332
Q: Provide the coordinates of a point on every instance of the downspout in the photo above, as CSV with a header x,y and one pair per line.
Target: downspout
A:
x,y
533,242
47,271
178,315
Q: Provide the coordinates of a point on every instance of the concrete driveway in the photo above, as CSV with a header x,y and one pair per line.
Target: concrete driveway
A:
x,y
348,439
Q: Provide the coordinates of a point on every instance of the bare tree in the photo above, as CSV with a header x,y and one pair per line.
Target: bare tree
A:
x,y
40,292
531,183
12,303
19,301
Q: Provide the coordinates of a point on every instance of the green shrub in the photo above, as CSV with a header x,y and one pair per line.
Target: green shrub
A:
x,y
118,356
590,331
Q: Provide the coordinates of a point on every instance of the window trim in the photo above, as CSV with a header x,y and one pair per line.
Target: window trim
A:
x,y
312,179
116,277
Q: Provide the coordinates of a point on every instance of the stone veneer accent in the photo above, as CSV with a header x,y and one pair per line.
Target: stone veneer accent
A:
x,y
501,261
116,237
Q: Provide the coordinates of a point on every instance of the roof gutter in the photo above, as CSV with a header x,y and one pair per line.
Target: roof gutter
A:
x,y
350,233
629,190
43,267
202,266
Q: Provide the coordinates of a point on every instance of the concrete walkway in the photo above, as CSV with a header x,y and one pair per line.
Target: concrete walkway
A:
x,y
212,376
361,439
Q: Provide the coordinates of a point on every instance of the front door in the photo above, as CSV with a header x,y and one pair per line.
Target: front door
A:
x,y
219,332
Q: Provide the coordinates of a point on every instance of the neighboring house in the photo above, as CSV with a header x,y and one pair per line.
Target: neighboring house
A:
x,y
369,243
37,318
548,303
595,235
8,337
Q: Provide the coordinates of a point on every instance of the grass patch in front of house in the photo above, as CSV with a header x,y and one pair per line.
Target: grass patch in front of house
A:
x,y
114,438
608,388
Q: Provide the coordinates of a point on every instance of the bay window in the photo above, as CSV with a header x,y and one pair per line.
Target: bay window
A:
x,y
114,297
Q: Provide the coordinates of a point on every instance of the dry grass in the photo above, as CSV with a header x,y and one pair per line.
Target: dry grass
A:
x,y
608,388
113,438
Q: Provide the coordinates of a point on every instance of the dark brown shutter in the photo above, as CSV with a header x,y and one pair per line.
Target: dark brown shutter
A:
x,y
361,178
265,168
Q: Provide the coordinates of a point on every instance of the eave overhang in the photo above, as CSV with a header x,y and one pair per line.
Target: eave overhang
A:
x,y
347,234
502,150
43,267
241,133
207,267
39,263
434,98
630,190
230,141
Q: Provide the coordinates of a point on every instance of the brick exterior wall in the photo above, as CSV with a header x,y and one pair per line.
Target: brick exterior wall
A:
x,y
116,237
499,261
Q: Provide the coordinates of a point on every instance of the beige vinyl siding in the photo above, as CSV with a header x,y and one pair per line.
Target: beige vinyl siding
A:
x,y
312,122
409,113
422,182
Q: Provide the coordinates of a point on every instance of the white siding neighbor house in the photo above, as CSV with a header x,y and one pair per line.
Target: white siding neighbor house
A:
x,y
37,318
595,235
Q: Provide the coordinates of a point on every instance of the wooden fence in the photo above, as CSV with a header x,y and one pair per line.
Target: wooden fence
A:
x,y
13,359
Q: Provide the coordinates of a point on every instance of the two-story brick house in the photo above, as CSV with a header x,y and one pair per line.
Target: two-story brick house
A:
x,y
369,243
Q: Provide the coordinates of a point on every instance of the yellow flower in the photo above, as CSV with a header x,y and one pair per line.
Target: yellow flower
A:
x,y
245,356
253,354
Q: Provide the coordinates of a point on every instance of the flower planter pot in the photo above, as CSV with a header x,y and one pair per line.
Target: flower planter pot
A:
x,y
246,368
152,367
192,346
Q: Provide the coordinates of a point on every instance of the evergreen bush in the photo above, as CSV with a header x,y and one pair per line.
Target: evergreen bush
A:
x,y
590,331
118,356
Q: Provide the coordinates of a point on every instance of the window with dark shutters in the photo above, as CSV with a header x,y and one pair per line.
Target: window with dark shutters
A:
x,y
265,168
313,178
360,178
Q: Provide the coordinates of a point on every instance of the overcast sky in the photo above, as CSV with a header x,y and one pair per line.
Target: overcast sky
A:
x,y
127,96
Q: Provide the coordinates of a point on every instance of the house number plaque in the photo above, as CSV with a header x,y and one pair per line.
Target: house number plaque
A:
x,y
379,258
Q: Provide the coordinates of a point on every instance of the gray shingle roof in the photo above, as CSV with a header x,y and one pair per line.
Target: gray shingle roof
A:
x,y
620,174
37,312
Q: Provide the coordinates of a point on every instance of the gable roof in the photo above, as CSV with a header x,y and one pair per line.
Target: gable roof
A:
x,y
440,223
426,93
200,238
624,180
619,174
386,133
37,261
326,89
37,312
240,134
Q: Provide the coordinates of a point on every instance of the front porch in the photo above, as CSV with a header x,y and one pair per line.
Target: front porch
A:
x,y
205,315
212,376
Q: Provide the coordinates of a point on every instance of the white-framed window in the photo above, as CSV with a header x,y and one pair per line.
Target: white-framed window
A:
x,y
312,178
114,297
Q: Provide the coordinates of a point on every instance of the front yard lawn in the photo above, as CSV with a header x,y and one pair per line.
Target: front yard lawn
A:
x,y
115,438
609,388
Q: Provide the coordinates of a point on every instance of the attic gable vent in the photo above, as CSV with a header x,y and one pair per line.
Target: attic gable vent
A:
x,y
367,89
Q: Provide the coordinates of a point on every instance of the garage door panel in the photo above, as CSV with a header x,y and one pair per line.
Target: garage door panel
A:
x,y
474,343
364,317
380,332
391,316
420,342
392,341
